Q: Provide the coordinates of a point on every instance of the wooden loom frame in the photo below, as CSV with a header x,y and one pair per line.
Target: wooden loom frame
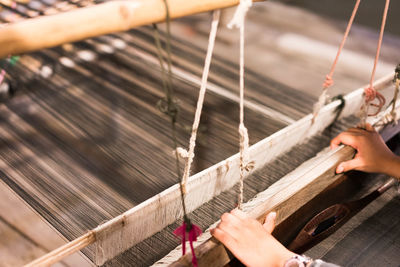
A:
x,y
285,197
138,223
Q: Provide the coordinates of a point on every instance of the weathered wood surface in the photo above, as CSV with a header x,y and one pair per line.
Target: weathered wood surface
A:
x,y
285,197
79,24
22,229
367,226
371,240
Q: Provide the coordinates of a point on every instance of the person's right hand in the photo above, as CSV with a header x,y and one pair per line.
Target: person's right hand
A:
x,y
250,241
372,153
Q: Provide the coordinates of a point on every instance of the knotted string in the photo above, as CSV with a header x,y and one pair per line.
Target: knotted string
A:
x,y
328,79
188,229
245,166
370,92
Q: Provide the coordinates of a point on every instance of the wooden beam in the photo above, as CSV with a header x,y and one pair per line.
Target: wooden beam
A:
x,y
154,214
114,16
285,197
16,212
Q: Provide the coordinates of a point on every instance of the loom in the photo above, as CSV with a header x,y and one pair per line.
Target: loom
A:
x,y
86,147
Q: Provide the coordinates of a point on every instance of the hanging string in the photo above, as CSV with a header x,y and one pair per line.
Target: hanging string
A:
x,y
188,230
370,92
192,142
244,157
329,77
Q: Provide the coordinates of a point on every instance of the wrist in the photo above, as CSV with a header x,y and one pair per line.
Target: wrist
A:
x,y
298,261
285,257
391,166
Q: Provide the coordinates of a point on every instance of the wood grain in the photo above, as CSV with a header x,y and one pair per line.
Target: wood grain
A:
x,y
82,23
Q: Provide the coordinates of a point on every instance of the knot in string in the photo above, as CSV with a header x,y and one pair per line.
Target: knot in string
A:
x,y
181,152
169,107
244,146
328,81
240,14
370,95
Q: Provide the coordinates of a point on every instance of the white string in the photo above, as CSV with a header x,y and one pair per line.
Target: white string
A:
x,y
244,157
192,143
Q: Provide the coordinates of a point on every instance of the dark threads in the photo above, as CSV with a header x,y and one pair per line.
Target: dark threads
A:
x,y
397,73
169,105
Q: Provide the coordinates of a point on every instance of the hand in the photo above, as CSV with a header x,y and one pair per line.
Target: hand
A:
x,y
251,242
372,153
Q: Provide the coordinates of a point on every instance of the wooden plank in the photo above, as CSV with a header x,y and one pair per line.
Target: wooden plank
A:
x,y
82,23
15,248
17,213
285,197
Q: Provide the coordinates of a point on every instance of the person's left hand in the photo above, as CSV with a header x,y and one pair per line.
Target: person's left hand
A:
x,y
251,242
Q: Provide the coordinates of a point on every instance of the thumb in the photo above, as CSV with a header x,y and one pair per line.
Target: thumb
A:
x,y
269,224
348,165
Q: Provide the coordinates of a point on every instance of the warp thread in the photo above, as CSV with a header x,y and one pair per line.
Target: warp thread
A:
x,y
238,21
328,79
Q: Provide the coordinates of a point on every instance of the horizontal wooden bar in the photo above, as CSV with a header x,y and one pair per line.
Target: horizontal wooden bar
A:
x,y
114,16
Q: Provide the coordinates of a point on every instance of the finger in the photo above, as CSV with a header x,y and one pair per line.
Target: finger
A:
x,y
225,239
369,127
238,213
344,138
269,224
230,219
346,166
233,230
356,130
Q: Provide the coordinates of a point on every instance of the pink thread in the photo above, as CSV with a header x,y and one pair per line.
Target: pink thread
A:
x,y
191,235
2,75
13,5
328,81
370,92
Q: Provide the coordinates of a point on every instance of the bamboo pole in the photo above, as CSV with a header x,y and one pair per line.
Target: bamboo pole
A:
x,y
48,31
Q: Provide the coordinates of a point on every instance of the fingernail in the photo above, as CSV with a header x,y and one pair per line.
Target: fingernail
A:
x,y
272,215
340,169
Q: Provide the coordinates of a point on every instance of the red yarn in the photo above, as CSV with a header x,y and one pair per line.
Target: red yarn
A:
x,y
2,74
191,232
